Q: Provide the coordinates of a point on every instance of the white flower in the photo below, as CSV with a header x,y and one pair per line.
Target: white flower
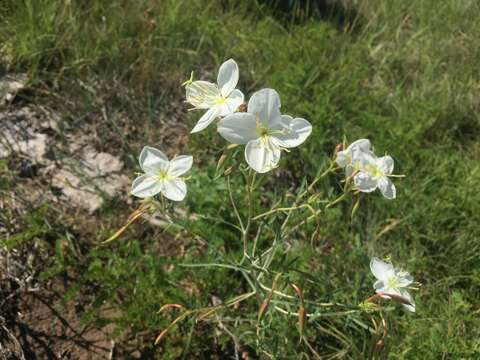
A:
x,y
349,157
373,173
392,281
264,130
161,175
220,100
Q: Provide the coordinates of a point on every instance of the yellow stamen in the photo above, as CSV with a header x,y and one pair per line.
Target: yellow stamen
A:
x,y
189,81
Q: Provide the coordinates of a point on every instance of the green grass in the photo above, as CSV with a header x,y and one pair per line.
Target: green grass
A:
x,y
406,75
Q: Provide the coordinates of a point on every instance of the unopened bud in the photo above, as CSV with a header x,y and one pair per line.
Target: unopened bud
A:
x,y
221,160
339,147
229,170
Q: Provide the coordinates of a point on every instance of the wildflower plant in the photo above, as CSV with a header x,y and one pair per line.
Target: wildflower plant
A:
x,y
266,132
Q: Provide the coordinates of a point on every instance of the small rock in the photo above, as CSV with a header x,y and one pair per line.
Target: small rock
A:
x,y
10,85
100,164
19,133
73,190
101,175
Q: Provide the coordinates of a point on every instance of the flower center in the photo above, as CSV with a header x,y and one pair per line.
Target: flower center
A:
x,y
220,100
163,175
262,130
393,283
375,171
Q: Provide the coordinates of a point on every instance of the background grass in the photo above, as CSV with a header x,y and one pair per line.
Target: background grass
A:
x,y
403,73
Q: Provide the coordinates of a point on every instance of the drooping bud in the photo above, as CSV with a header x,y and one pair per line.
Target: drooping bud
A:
x,y
229,170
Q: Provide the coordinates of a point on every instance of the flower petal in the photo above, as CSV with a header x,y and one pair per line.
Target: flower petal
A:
x,y
202,94
238,128
387,187
364,182
146,186
175,189
153,160
363,160
231,103
362,144
408,298
295,131
228,77
265,104
379,286
180,165
385,163
262,155
206,119
343,158
381,270
404,279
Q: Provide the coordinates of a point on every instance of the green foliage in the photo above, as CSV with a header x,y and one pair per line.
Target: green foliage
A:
x,y
36,225
405,74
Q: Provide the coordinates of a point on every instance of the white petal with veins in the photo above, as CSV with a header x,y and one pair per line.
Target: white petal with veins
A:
x,y
180,165
262,155
206,119
238,128
152,160
265,104
228,77
146,186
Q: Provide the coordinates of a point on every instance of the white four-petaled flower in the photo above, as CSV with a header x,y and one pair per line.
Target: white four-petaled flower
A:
x,y
161,175
392,281
373,173
264,130
219,99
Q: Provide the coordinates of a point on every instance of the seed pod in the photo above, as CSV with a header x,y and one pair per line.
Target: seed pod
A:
x,y
229,170
266,302
302,314
221,160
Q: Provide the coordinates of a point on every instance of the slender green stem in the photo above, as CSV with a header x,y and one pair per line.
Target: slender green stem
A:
x,y
332,167
249,184
339,199
232,201
279,209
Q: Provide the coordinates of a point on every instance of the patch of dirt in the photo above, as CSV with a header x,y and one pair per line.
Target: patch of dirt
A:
x,y
74,171
43,327
81,176
46,330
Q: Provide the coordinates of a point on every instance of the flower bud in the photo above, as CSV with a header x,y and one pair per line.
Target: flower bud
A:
x,y
229,170
221,160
